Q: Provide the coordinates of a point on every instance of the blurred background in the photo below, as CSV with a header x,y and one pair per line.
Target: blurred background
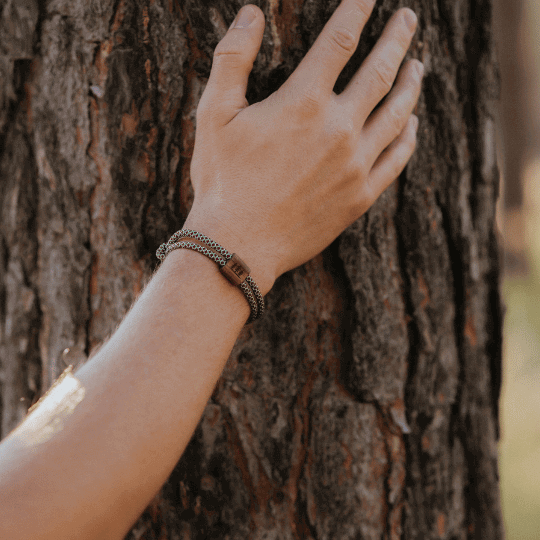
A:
x,y
518,50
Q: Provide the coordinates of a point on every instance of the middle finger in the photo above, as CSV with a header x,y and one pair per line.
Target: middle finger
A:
x,y
378,72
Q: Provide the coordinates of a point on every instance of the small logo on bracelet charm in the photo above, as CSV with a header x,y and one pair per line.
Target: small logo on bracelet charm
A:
x,y
238,270
235,270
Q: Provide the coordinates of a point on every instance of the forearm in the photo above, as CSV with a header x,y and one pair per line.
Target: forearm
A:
x,y
145,393
293,171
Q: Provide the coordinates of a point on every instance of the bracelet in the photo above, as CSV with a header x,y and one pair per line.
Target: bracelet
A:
x,y
231,265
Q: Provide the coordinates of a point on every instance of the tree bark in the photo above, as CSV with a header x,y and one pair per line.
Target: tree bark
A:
x,y
365,404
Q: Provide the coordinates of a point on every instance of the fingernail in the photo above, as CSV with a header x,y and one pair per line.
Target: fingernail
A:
x,y
420,69
410,19
415,122
245,17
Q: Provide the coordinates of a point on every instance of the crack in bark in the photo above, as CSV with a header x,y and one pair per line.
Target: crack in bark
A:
x,y
457,270
114,11
154,100
178,210
386,422
302,511
20,75
333,262
42,16
413,335
475,52
17,121
478,46
495,327
87,344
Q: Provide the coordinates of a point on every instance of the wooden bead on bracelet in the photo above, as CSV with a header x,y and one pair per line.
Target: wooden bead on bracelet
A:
x,y
231,265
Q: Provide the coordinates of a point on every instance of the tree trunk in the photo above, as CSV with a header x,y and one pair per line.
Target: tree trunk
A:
x,y
365,404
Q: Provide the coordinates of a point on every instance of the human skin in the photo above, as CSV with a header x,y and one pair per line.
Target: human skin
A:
x,y
285,177
275,182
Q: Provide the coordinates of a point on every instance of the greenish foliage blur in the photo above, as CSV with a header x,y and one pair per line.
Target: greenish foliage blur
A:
x,y
519,448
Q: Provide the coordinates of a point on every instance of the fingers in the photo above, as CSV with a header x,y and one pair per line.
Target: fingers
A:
x,y
333,48
392,161
225,93
389,120
376,76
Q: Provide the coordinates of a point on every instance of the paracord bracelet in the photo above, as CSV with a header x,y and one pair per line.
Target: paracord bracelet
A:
x,y
231,266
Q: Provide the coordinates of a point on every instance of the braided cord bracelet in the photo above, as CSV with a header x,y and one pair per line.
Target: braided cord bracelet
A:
x,y
231,266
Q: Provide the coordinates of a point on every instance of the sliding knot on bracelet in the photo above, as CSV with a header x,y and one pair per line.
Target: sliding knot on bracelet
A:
x,y
230,265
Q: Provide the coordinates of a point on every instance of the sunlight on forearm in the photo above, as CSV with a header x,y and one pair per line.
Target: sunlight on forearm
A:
x,y
47,416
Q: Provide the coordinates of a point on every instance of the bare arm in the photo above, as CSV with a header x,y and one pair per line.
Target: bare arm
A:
x,y
276,183
144,394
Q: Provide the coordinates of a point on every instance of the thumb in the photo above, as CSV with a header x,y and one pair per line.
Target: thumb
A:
x,y
233,61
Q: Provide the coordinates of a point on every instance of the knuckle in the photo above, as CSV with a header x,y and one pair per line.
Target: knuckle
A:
x,y
395,121
364,199
384,76
353,172
362,184
207,114
343,133
342,39
399,165
362,167
224,53
409,136
403,158
364,7
361,192
311,102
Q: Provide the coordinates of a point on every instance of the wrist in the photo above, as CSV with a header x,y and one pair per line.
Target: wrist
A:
x,y
259,262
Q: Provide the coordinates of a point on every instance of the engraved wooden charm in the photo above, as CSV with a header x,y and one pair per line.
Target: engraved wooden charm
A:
x,y
235,270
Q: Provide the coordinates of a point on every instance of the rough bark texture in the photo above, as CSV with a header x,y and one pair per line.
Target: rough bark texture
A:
x,y
365,404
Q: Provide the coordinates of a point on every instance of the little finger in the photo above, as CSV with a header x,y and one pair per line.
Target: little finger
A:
x,y
389,120
391,162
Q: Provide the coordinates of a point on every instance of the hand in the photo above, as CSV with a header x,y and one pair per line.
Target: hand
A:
x,y
279,180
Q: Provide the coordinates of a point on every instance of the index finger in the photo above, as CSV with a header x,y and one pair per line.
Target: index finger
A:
x,y
320,68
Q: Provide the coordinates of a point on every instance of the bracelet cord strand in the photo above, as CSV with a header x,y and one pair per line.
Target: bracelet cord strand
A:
x,y
219,255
